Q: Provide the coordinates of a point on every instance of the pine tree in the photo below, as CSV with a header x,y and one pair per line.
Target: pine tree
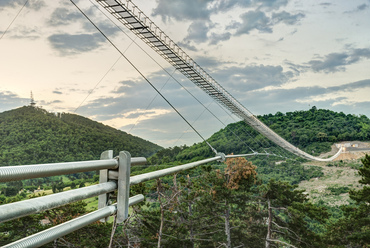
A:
x,y
289,214
354,229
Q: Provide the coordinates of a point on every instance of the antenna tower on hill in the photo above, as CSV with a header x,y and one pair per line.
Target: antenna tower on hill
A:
x,y
32,104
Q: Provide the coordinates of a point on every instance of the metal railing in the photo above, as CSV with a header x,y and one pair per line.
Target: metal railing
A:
x,y
114,175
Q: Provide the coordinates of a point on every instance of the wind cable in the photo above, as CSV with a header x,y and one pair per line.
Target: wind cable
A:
x,y
249,134
182,134
177,80
259,144
143,76
167,71
253,138
6,30
91,91
164,85
206,108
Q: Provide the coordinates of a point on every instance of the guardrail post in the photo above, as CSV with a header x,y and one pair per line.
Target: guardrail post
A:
x,y
123,186
103,178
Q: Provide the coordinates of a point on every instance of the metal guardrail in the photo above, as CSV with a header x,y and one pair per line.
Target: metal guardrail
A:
x,y
63,229
114,175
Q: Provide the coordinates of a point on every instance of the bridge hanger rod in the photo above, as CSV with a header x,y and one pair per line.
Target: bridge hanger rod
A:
x,y
135,20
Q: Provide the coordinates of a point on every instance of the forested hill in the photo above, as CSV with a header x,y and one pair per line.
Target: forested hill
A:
x,y
313,131
31,135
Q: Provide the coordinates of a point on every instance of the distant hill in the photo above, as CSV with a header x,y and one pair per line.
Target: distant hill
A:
x,y
30,135
313,131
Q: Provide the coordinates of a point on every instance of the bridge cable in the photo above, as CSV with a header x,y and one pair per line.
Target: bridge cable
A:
x,y
221,123
258,143
151,102
91,91
143,76
6,30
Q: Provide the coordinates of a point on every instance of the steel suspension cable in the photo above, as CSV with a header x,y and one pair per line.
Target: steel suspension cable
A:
x,y
6,30
151,57
150,103
143,76
91,91
222,107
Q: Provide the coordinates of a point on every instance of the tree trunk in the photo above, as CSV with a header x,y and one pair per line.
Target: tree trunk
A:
x,y
269,223
159,186
227,225
190,216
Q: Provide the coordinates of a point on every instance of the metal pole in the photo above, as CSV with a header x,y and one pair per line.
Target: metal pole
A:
x,y
123,186
61,230
103,178
23,208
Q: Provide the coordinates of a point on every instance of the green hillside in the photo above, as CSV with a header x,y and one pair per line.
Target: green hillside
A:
x,y
30,135
313,131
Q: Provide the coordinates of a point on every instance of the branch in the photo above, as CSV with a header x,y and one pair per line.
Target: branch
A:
x,y
285,229
279,208
278,241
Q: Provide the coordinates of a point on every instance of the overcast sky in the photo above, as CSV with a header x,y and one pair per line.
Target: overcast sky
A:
x,y
272,55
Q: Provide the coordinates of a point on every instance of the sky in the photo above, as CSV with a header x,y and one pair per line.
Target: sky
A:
x,y
271,55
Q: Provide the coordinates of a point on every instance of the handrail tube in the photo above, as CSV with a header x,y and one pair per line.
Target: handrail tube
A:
x,y
35,205
138,161
246,155
160,173
47,236
21,172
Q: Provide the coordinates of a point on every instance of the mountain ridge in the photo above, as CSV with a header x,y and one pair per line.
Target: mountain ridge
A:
x,y
30,135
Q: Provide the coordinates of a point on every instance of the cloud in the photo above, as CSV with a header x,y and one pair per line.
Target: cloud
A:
x,y
197,31
209,63
252,20
335,62
192,10
332,62
362,7
271,4
286,18
35,5
351,86
284,100
68,44
216,38
258,20
186,44
63,17
22,32
10,3
199,13
225,5
182,10
253,77
10,100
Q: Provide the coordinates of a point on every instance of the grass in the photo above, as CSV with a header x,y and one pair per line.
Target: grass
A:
x,y
333,187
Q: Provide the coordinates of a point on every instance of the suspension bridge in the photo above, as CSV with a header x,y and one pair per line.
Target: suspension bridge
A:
x,y
115,172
